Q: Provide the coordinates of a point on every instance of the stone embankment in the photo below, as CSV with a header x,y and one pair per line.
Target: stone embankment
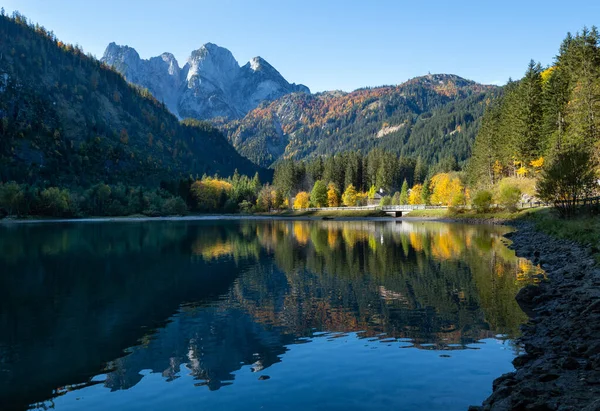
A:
x,y
560,369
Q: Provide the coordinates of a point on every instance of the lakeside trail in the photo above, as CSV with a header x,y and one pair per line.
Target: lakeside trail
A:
x,y
561,367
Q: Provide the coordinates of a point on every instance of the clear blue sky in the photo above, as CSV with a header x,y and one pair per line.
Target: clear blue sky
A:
x,y
336,44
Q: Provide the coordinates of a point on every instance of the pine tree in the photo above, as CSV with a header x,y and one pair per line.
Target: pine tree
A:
x,y
420,171
528,120
404,193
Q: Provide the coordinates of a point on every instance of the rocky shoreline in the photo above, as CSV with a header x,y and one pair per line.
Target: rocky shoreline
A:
x,y
560,369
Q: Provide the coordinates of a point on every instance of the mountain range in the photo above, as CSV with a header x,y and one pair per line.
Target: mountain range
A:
x,y
69,119
210,84
434,116
267,119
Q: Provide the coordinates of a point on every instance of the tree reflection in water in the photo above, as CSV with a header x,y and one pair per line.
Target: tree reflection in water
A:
x,y
81,299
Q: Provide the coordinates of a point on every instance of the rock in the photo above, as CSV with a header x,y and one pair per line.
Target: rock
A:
x,y
548,377
526,295
505,379
521,360
570,363
593,308
264,377
594,406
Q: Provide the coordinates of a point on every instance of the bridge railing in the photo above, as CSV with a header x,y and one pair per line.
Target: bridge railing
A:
x,y
411,207
375,207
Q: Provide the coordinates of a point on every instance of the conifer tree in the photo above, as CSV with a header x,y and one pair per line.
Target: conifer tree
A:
x,y
404,193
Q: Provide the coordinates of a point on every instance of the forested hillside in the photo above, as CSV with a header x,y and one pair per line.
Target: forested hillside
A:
x,y
68,120
550,113
435,117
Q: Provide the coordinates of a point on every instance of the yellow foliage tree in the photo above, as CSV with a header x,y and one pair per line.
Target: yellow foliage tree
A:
x,y
301,200
445,189
333,197
361,199
349,196
415,194
207,193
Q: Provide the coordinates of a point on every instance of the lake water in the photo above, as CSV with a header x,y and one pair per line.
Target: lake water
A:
x,y
257,314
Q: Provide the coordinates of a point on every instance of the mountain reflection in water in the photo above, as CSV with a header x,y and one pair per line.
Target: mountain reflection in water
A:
x,y
112,303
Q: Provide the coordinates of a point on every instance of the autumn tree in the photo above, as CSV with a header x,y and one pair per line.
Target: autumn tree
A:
x,y
333,196
415,194
445,189
266,199
210,194
349,197
302,200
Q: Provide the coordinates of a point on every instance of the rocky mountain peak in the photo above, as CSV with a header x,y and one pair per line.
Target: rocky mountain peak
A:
x,y
210,84
258,63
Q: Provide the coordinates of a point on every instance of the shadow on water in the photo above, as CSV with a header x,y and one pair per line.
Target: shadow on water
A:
x,y
78,300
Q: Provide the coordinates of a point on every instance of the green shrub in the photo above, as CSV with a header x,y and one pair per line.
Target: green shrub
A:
x,y
174,206
12,198
482,201
509,196
246,206
230,206
459,199
56,202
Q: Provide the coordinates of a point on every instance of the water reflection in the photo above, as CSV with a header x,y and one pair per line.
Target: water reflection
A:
x,y
207,298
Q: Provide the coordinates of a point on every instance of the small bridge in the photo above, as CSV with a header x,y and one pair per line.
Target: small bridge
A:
x,y
400,210
394,211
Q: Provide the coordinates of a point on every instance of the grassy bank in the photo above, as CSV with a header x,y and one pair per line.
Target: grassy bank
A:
x,y
584,230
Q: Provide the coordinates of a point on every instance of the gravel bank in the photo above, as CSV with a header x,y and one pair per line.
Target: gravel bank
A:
x,y
561,367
